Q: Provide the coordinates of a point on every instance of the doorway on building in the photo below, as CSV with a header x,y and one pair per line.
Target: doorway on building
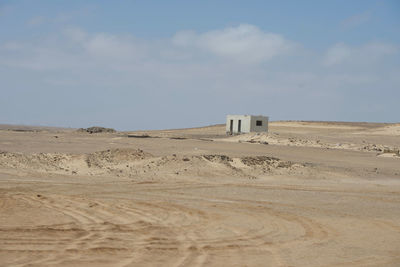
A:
x,y
231,127
239,126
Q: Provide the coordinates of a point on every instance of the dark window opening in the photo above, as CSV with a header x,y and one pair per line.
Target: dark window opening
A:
x,y
258,123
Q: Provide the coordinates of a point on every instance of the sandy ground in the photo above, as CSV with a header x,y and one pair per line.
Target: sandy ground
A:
x,y
305,194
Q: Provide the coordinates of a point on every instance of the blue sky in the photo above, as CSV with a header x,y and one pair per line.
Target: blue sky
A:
x,y
168,64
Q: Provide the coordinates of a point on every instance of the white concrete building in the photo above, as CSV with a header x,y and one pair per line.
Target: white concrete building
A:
x,y
236,124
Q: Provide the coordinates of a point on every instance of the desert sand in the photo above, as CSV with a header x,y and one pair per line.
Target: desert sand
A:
x,y
305,194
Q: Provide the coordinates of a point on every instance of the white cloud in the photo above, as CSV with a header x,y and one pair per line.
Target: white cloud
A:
x,y
337,54
234,46
110,47
107,47
376,50
366,54
245,43
75,34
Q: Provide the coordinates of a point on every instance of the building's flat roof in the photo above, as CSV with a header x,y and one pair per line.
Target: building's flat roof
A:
x,y
246,115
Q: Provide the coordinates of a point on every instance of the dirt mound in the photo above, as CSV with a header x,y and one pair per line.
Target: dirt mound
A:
x,y
96,163
272,139
390,153
259,160
137,163
255,163
269,164
97,129
276,139
115,156
45,161
218,158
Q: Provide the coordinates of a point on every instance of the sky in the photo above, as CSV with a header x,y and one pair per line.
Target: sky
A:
x,y
135,65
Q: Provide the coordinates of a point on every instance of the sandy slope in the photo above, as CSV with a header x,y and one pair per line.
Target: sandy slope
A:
x,y
193,197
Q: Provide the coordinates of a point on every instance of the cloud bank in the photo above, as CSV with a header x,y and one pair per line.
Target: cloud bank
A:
x,y
244,44
79,78
366,54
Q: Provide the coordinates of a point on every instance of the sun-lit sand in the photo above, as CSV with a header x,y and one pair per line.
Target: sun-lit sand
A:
x,y
305,194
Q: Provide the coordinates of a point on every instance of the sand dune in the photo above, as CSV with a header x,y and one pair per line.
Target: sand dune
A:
x,y
136,163
196,197
276,139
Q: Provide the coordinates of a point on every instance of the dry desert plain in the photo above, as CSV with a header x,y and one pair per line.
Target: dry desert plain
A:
x,y
305,194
